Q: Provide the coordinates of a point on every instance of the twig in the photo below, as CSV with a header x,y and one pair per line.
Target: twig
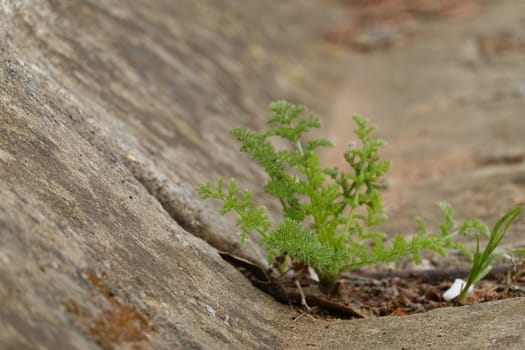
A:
x,y
303,302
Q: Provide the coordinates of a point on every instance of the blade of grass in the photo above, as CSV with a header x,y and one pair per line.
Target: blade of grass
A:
x,y
481,262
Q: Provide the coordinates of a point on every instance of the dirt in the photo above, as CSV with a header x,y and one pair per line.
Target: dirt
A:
x,y
375,292
365,296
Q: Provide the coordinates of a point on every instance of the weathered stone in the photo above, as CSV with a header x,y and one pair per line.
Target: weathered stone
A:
x,y
111,114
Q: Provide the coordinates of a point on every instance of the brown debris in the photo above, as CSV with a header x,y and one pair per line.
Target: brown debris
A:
x,y
394,293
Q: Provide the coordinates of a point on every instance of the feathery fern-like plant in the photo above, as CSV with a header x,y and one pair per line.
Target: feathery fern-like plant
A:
x,y
329,216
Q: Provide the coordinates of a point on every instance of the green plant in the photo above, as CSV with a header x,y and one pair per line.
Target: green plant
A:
x,y
329,216
481,261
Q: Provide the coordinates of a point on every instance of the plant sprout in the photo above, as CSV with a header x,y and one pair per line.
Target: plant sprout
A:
x,y
329,216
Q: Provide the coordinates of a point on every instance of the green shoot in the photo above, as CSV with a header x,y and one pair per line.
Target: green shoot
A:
x,y
481,263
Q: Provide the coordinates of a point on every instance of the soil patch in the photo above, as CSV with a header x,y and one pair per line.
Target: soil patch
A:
x,y
367,294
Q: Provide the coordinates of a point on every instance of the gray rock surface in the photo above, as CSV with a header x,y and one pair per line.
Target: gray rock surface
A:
x,y
111,112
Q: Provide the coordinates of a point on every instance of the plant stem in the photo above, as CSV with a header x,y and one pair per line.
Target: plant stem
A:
x,y
327,281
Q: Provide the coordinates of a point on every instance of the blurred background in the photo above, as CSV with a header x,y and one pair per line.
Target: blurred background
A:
x,y
444,81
